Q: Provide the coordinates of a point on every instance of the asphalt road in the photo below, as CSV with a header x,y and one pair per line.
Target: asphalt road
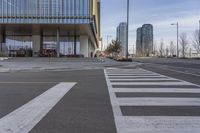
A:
x,y
154,97
185,63
85,108
185,69
151,102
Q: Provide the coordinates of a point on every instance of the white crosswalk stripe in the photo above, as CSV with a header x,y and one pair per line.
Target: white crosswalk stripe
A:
x,y
151,83
139,82
23,119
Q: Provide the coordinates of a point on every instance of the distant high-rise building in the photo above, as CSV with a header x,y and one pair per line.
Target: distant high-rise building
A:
x,y
121,36
144,41
139,42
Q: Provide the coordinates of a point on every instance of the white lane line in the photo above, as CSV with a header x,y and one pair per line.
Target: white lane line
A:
x,y
157,90
120,72
157,76
116,109
151,83
132,72
144,79
129,74
160,101
161,124
23,119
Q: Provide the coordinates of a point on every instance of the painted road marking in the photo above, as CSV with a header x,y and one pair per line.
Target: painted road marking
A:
x,y
157,90
125,82
136,76
23,119
149,101
151,83
144,79
142,74
161,124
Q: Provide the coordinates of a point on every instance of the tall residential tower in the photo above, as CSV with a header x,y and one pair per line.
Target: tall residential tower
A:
x,y
121,36
144,41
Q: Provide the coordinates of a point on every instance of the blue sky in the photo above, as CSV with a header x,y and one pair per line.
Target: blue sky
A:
x,y
160,13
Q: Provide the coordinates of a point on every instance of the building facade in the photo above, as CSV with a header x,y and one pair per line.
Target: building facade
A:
x,y
122,37
68,27
144,41
139,42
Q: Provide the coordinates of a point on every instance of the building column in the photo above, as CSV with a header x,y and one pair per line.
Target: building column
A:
x,y
75,44
58,43
37,44
84,47
2,39
91,48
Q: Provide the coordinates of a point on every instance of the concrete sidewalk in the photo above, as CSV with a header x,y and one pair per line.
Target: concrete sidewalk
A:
x,y
3,58
58,64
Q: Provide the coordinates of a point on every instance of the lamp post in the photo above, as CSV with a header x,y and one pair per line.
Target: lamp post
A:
x,y
133,50
127,32
177,25
199,32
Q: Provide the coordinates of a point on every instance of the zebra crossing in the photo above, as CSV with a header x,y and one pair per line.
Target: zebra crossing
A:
x,y
147,102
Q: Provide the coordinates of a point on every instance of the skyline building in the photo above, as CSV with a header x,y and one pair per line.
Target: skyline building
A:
x,y
144,41
70,27
139,42
122,36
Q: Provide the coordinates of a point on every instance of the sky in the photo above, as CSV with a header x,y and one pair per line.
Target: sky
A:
x,y
159,13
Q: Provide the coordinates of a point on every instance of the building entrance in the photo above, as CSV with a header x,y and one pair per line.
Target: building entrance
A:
x,y
18,46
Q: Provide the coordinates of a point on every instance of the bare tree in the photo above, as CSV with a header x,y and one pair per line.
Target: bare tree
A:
x,y
172,48
184,44
155,50
167,51
161,50
196,41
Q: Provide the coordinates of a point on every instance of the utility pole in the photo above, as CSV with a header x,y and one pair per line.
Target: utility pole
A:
x,y
177,40
199,32
127,33
177,26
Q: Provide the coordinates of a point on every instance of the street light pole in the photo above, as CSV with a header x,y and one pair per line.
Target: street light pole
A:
x,y
199,32
177,40
127,33
177,25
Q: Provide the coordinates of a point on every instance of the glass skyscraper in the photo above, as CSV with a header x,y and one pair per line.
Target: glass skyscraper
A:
x,y
122,37
70,27
144,42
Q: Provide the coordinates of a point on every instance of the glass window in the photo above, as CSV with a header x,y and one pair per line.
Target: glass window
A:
x,y
4,8
1,11
45,11
21,45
